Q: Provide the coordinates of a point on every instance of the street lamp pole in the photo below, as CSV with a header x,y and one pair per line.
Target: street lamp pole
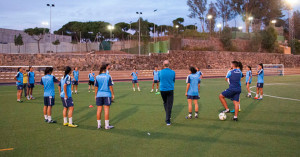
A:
x,y
154,33
210,18
110,27
50,6
139,13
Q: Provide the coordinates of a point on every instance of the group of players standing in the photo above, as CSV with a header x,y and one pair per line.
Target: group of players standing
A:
x,y
104,93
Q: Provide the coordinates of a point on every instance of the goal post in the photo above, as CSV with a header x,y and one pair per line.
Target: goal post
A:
x,y
274,69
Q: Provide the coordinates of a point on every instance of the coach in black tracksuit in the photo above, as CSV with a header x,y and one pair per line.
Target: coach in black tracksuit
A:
x,y
167,80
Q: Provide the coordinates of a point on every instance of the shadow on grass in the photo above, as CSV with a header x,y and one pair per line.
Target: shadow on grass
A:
x,y
173,136
124,115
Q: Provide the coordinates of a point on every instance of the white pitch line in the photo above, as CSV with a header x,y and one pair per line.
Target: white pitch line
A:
x,y
275,96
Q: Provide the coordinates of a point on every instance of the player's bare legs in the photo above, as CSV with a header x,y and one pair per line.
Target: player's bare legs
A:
x,y
72,88
138,86
236,106
248,88
45,113
157,85
99,111
224,103
65,110
196,108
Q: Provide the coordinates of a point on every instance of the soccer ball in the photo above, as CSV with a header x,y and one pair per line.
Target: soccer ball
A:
x,y
222,116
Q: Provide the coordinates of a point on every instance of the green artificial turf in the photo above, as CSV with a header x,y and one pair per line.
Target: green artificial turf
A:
x,y
270,127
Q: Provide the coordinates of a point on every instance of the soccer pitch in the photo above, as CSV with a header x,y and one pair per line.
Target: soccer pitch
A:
x,y
270,127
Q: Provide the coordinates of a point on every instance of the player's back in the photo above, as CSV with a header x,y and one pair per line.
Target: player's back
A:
x,y
235,76
193,80
103,81
48,82
166,79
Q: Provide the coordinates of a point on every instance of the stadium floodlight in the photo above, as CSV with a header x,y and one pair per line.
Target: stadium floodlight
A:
x,y
177,26
250,18
139,13
219,25
45,24
209,17
291,2
240,28
274,21
50,6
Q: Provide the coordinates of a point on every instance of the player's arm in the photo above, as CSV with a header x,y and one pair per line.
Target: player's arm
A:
x,y
65,91
188,85
110,84
55,79
15,78
112,92
96,89
187,88
59,86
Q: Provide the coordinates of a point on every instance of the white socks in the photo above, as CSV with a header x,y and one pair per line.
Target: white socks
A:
x,y
139,89
46,117
49,118
151,90
156,90
70,120
239,106
106,123
261,96
65,120
133,89
249,93
256,95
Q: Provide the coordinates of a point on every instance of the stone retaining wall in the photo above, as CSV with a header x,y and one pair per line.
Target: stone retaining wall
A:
x,y
178,59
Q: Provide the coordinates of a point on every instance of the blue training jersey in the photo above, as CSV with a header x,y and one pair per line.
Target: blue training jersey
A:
x,y
92,77
103,82
134,75
31,77
155,75
75,75
19,77
249,76
48,82
166,79
66,80
235,77
260,76
193,80
199,73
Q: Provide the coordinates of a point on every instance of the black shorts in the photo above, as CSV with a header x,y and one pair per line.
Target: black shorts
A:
x,y
193,97
67,103
75,82
91,83
31,85
155,81
260,85
135,81
100,101
49,101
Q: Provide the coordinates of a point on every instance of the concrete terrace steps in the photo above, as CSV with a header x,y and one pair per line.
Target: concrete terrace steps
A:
x,y
7,77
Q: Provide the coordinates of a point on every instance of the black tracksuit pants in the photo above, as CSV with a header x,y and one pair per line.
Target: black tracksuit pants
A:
x,y
168,98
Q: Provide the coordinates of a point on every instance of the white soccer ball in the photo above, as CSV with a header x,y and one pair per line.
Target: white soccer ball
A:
x,y
222,116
